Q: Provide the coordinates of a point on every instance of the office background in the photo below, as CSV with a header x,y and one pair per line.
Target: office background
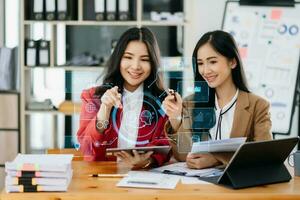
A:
x,y
38,130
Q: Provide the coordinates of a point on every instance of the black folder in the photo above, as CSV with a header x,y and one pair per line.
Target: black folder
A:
x,y
257,163
66,9
31,53
111,10
43,53
50,9
123,10
37,10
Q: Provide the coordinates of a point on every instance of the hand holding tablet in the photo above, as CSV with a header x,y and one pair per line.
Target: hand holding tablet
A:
x,y
141,150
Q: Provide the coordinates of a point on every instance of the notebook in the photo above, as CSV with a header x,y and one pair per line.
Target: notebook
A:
x,y
40,162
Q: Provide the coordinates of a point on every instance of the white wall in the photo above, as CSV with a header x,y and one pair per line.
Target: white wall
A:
x,y
207,15
1,22
202,16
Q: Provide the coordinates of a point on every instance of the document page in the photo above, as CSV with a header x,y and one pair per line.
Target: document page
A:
x,y
146,179
227,145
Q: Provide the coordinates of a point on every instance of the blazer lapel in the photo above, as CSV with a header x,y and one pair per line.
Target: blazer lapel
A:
x,y
241,116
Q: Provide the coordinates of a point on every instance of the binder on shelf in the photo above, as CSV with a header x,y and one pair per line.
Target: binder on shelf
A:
x,y
30,53
123,11
62,9
44,53
50,7
100,9
111,10
8,69
38,10
66,9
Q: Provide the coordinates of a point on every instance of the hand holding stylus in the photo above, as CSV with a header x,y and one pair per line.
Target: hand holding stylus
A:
x,y
173,105
112,98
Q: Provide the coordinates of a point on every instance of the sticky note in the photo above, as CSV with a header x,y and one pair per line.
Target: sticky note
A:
x,y
276,14
243,52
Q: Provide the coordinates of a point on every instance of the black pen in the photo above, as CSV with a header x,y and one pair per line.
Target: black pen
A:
x,y
142,182
108,175
166,171
173,92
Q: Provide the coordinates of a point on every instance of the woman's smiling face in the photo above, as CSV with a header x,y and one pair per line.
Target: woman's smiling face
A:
x,y
135,65
213,67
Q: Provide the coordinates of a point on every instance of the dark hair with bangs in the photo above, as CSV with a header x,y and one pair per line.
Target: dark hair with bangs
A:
x,y
153,83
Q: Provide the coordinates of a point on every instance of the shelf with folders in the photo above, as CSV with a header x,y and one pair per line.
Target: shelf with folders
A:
x,y
104,12
81,10
109,23
78,47
68,68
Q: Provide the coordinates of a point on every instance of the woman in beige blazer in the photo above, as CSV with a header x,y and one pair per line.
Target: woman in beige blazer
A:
x,y
239,113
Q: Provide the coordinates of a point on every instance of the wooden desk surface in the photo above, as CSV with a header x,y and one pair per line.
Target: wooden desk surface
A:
x,y
84,187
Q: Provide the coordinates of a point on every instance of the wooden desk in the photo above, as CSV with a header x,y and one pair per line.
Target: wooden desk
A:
x,y
84,187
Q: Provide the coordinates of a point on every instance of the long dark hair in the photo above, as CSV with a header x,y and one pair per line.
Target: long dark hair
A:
x,y
223,43
113,77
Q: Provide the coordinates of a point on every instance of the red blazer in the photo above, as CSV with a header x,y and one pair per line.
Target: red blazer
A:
x,y
93,144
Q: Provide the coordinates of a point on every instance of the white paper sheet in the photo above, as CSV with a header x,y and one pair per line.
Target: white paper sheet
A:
x,y
227,145
146,179
181,168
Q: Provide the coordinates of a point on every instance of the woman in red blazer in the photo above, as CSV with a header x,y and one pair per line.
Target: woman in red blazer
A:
x,y
126,110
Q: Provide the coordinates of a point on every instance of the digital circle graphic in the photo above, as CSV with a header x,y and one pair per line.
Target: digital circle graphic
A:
x,y
148,117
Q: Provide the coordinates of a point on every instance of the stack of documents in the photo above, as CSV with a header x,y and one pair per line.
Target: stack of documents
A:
x,y
227,145
34,173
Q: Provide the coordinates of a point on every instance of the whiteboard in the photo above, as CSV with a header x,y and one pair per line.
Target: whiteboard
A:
x,y
269,43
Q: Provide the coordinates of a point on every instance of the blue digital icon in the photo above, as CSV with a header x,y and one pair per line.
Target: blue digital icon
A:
x,y
197,89
77,146
204,118
201,91
199,117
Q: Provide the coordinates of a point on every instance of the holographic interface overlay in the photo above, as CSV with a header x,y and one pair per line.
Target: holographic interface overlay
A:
x,y
147,119
186,139
200,90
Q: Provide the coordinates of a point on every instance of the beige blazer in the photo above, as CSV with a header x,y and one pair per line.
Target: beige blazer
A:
x,y
251,120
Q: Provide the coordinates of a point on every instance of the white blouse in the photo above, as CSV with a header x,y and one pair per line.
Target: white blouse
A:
x,y
132,105
224,119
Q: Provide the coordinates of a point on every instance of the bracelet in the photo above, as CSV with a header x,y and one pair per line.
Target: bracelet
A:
x,y
147,164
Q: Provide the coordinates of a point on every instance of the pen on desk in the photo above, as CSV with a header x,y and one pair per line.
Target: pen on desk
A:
x,y
142,182
107,175
173,92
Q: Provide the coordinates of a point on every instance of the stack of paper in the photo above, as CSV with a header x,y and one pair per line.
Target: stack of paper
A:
x,y
33,173
227,145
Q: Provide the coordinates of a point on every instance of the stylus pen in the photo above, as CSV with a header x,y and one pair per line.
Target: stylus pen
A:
x,y
172,92
107,175
143,182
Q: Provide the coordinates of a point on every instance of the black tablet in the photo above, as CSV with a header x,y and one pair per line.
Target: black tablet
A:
x,y
257,163
141,150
